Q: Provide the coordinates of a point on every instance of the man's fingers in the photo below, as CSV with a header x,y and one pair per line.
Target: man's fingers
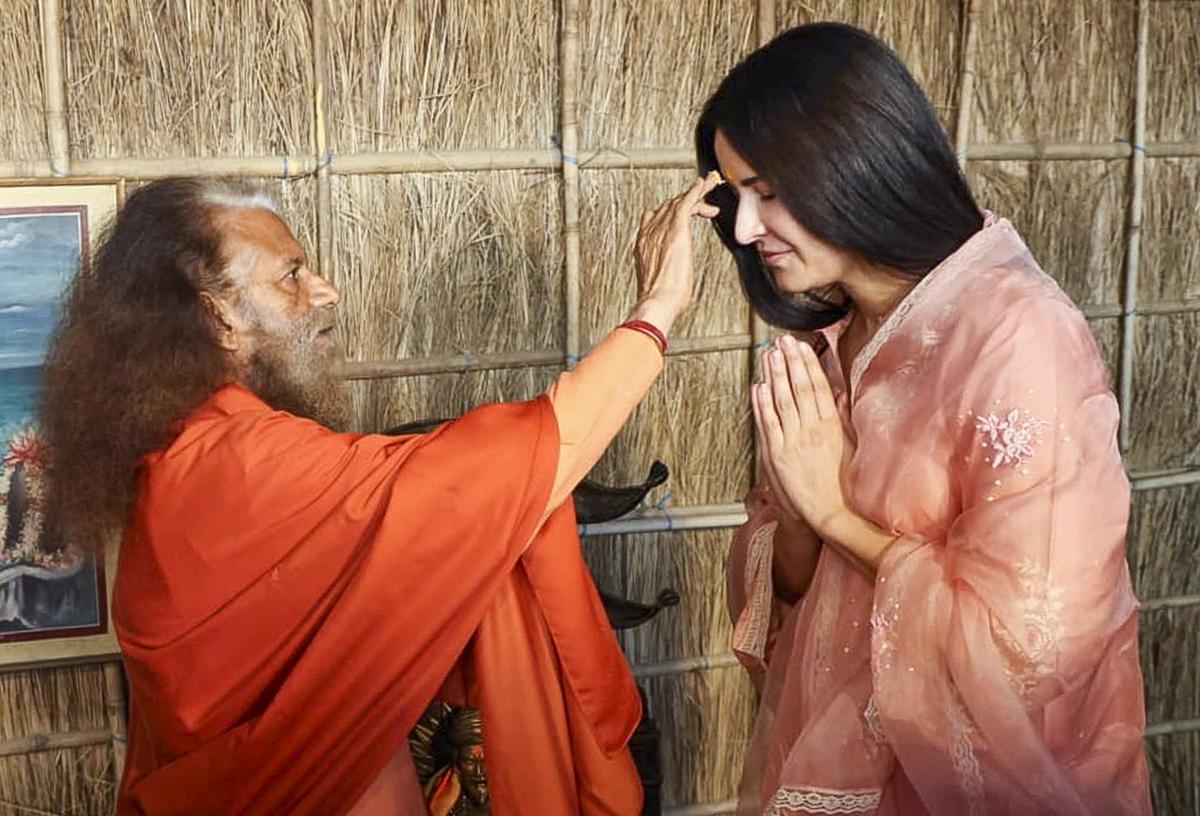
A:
x,y
693,198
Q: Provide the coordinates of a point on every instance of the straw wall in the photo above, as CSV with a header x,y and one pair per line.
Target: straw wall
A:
x,y
418,149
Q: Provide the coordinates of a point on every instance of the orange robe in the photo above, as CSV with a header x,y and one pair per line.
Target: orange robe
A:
x,y
290,599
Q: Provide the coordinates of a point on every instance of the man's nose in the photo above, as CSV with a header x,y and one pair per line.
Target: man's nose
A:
x,y
323,294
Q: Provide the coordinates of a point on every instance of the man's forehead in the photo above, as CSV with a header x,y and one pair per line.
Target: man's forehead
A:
x,y
257,230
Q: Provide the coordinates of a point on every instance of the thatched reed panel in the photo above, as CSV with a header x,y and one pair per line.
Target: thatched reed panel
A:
x,y
925,33
1166,398
1108,336
647,67
611,203
1170,646
697,420
686,562
1170,249
701,754
1071,214
1163,555
1173,106
70,780
1173,762
471,263
382,404
436,75
449,263
21,96
1055,71
178,78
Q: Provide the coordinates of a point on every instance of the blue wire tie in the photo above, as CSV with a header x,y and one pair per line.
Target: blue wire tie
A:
x,y
1134,145
566,157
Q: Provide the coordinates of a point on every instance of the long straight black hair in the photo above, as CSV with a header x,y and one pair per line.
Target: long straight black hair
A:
x,y
829,117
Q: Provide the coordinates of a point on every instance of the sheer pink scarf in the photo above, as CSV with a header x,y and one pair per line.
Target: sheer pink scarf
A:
x,y
992,665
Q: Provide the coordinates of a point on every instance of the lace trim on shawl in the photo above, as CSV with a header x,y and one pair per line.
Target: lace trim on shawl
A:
x,y
966,764
944,271
753,626
789,801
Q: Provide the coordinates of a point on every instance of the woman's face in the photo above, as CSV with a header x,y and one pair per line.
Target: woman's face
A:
x,y
799,261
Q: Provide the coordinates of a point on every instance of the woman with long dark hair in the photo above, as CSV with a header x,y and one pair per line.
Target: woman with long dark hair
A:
x,y
931,591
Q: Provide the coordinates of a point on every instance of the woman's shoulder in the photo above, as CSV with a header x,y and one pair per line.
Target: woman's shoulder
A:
x,y
1005,290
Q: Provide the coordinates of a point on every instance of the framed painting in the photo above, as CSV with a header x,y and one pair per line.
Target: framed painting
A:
x,y
54,598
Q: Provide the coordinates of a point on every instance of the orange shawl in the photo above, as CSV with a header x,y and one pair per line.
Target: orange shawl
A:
x,y
289,600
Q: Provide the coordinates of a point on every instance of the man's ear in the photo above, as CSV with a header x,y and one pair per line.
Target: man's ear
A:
x,y
225,321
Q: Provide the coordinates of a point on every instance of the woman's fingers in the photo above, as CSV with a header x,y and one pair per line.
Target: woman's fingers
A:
x,y
826,405
767,418
800,379
775,369
802,356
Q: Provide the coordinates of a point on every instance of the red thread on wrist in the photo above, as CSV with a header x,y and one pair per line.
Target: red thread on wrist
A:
x,y
648,329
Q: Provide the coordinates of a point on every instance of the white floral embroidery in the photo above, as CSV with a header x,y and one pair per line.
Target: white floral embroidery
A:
x,y
931,338
829,603
821,801
884,640
874,723
1041,603
1012,437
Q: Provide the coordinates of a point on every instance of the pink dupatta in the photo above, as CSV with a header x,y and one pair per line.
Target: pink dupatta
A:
x,y
992,665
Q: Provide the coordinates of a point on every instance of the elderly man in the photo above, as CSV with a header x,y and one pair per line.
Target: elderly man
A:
x,y
291,597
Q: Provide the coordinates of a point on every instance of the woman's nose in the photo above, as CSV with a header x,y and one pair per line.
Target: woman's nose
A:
x,y
748,226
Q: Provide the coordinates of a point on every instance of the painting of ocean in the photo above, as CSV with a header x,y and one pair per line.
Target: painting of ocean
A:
x,y
45,590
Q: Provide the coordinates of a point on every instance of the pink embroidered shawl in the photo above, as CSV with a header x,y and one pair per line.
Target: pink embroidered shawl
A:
x,y
992,665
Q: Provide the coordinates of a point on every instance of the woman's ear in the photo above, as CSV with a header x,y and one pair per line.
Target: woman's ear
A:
x,y
226,325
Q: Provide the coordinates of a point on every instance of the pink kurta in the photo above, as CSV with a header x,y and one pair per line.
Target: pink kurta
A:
x,y
992,665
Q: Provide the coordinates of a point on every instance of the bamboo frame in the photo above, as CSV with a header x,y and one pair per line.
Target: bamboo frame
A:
x,y
724,516
697,517
459,363
568,98
320,13
1134,246
36,743
686,664
456,161
966,88
114,706
54,87
1176,602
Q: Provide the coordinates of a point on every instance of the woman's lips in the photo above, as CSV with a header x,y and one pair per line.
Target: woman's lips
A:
x,y
773,258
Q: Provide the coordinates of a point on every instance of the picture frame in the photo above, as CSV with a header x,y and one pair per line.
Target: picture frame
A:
x,y
55,602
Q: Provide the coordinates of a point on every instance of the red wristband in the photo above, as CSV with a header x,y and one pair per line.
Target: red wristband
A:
x,y
648,329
